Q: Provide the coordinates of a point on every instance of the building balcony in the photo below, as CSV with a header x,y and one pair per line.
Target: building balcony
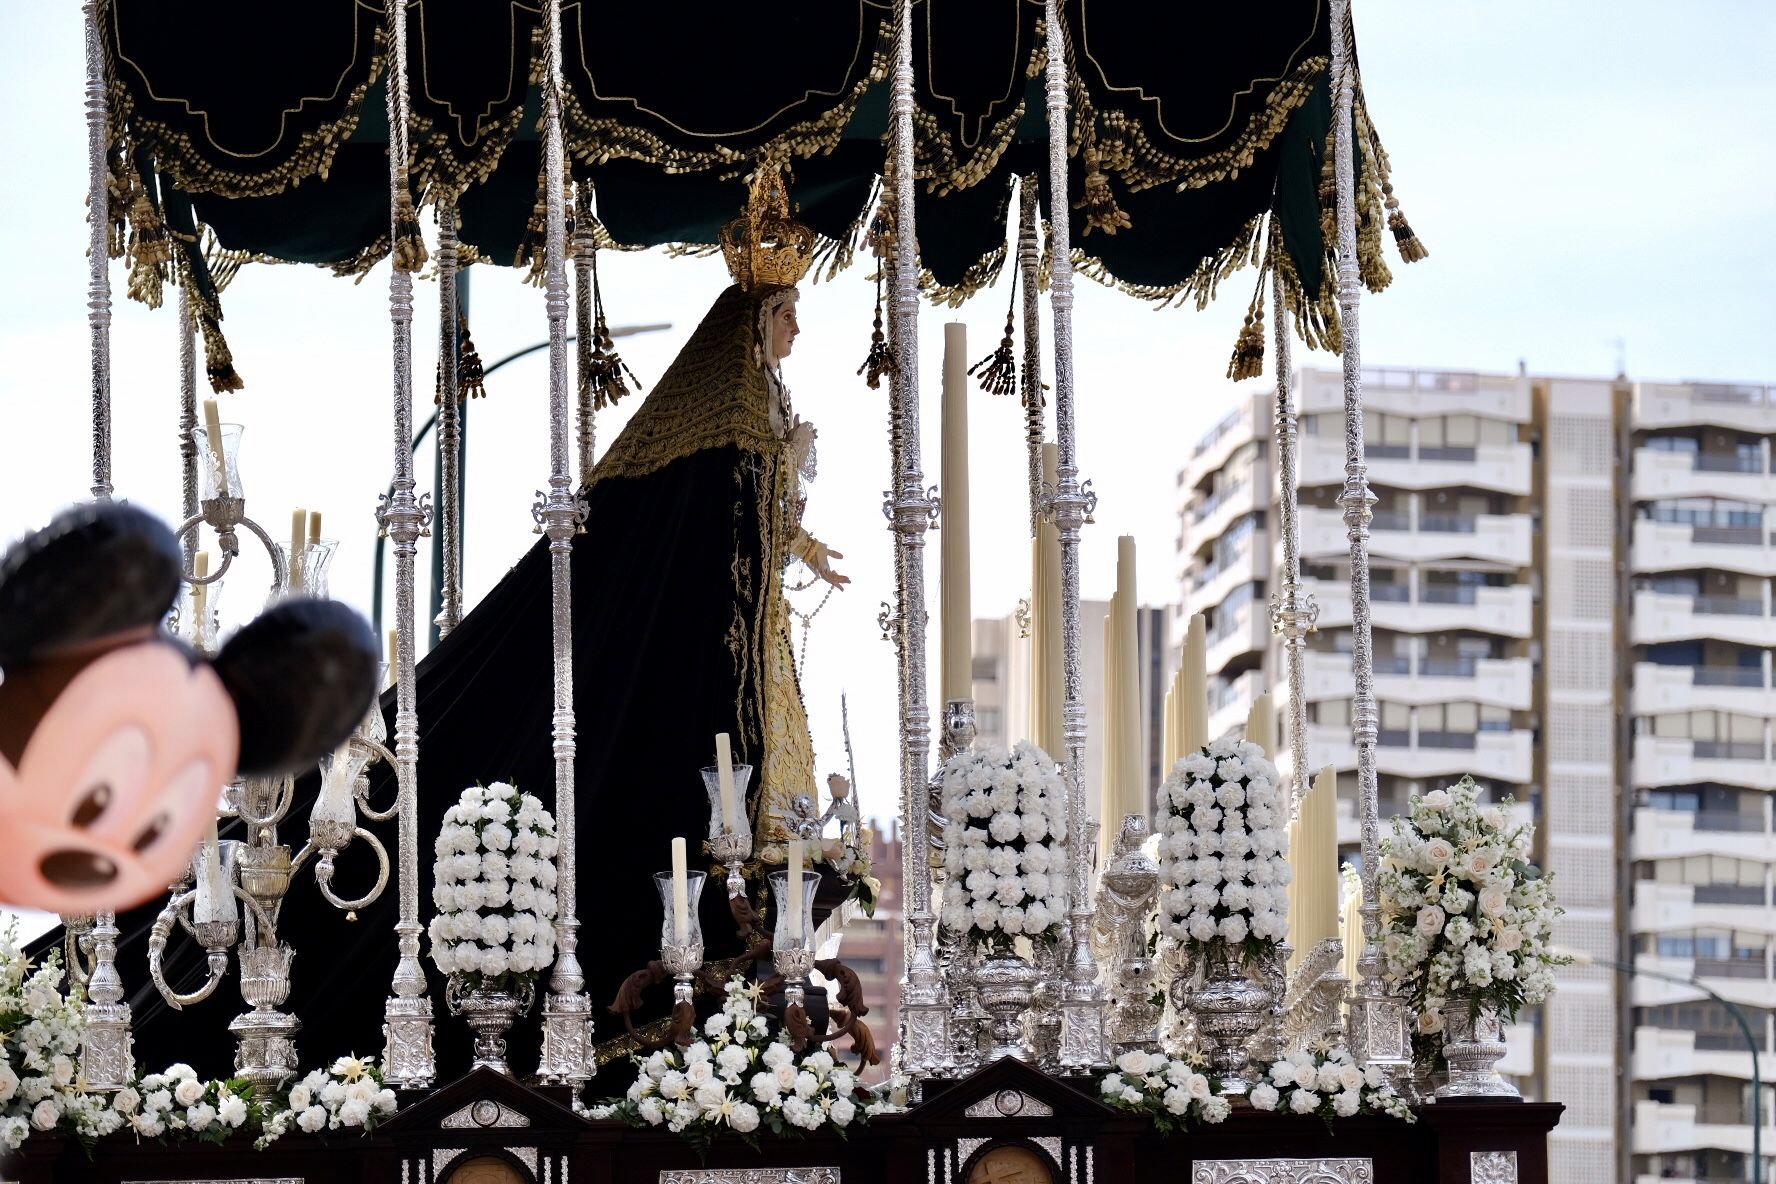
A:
x,y
1248,632
1661,475
1665,1128
1743,408
1662,760
1666,908
1661,1053
1682,546
1500,756
1250,565
1741,981
1209,520
1229,708
1496,682
1504,468
1508,612
1248,421
1499,538
1673,834
1419,393
1661,690
1668,616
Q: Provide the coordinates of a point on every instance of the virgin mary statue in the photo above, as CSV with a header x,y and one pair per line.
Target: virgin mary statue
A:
x,y
680,631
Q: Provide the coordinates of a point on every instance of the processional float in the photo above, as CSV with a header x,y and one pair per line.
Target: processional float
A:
x,y
1298,156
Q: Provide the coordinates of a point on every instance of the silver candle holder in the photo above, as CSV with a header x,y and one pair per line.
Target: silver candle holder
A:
x,y
730,839
681,953
792,944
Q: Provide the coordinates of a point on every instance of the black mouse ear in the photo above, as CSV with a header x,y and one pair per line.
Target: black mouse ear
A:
x,y
97,569
301,675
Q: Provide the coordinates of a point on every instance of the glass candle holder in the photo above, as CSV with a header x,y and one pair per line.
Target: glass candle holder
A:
x,y
794,952
210,481
718,820
199,615
679,948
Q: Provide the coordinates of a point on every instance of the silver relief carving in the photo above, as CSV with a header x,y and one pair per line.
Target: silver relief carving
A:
x,y
1010,1103
1314,1004
98,246
1029,265
1492,1167
1378,1017
1083,1045
407,1028
106,1049
1283,1171
1128,892
819,1175
449,423
188,507
567,1013
483,1113
1292,611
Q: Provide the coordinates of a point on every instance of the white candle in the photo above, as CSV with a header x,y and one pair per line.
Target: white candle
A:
x,y
1109,804
1196,686
213,429
1048,687
1261,725
794,903
298,540
200,595
681,904
957,672
732,815
1319,834
314,526
1131,761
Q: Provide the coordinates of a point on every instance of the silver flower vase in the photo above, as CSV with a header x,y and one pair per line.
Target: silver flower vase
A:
x,y
1473,1045
489,1014
1230,1008
1006,985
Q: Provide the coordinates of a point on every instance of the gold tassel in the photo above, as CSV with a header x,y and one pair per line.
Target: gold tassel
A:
x,y
218,361
1410,247
533,247
607,374
409,249
149,240
880,360
470,375
998,370
1099,203
1248,350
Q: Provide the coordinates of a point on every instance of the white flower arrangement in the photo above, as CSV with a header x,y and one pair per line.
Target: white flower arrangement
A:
x,y
176,1105
1465,913
1005,845
1223,851
349,1095
1326,1080
1173,1093
493,885
738,1076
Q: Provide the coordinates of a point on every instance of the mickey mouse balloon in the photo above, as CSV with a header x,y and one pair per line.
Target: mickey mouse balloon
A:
x,y
116,738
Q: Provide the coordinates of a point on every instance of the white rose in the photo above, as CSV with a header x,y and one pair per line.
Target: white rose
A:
x,y
1197,1087
188,1092
1135,1062
126,1100
45,1115
1493,901
1430,1022
1430,921
61,1070
1437,800
1436,853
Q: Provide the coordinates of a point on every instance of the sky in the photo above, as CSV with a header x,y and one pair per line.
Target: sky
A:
x,y
1595,190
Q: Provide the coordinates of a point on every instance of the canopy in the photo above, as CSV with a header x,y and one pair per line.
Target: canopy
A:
x,y
266,123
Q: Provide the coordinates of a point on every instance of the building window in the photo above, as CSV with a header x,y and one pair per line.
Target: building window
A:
x,y
985,668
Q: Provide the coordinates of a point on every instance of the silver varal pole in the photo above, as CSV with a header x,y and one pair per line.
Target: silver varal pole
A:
x,y
1378,1017
1082,1029
98,246
188,507
567,1013
1292,611
1030,268
408,1060
925,1004
582,251
449,425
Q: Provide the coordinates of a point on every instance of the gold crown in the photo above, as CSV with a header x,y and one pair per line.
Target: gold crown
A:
x,y
765,246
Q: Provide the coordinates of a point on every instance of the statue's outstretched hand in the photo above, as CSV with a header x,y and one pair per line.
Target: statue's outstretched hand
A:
x,y
818,557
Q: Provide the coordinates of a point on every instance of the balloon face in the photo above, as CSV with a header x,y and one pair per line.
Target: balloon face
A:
x,y
118,782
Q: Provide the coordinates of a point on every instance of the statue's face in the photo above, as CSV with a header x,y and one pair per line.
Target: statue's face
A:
x,y
783,330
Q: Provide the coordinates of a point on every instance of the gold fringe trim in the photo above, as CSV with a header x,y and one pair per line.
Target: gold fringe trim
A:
x,y
188,170
1098,202
1200,287
1405,241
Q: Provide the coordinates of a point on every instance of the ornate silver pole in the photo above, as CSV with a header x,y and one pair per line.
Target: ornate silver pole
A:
x,y
98,247
583,333
105,1053
1292,612
924,1002
1082,1031
188,507
567,1013
1030,265
1378,1018
449,424
407,1029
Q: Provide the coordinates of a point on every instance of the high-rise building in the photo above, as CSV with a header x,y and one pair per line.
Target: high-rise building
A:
x,y
1571,586
873,945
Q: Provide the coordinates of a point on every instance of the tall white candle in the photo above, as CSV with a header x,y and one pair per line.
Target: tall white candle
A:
x,y
1131,761
298,541
794,903
1109,803
681,904
1196,685
213,428
1261,725
314,526
1046,672
1319,834
732,817
958,674
200,595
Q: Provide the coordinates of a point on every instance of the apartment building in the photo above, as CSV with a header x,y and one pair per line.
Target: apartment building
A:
x,y
1571,586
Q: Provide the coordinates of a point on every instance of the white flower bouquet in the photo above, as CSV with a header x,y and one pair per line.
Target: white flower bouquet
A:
x,y
741,1078
1326,1080
1465,913
1173,1093
1223,852
1005,846
349,1095
493,885
175,1104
